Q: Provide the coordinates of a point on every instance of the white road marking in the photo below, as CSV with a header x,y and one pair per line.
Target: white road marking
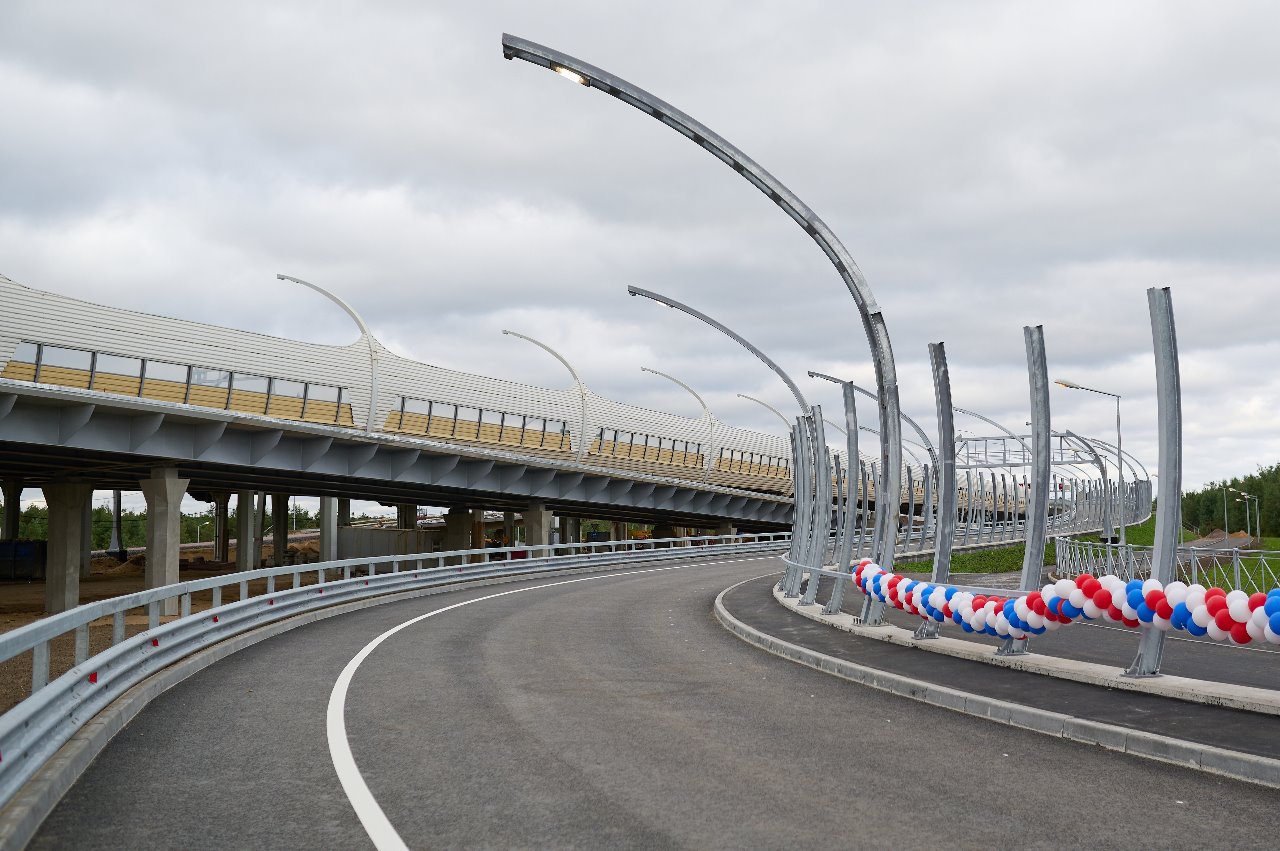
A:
x,y
374,820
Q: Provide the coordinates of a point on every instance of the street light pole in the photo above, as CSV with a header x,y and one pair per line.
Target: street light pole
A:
x,y
706,412
877,332
582,388
365,333
1119,453
779,414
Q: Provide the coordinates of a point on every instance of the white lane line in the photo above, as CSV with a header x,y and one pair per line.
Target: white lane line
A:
x,y
376,824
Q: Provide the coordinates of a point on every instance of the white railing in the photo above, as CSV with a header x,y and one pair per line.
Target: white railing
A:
x,y
34,730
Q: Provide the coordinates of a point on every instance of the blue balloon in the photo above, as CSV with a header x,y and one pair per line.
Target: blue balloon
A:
x,y
1272,606
1132,585
1134,598
1274,592
1144,613
1195,629
1275,622
951,592
1069,610
1180,616
965,626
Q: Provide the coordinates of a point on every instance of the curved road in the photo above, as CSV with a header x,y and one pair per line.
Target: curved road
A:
x,y
608,712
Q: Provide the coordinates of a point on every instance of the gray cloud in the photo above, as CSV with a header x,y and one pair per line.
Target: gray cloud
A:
x,y
990,166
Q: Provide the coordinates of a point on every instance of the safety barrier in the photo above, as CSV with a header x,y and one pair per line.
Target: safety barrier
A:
x,y
33,731
1251,571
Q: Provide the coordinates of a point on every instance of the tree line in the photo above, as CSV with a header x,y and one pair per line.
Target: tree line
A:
x,y
1202,510
33,525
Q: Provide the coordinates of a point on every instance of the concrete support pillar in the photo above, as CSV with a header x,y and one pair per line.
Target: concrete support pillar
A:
x,y
726,527
508,528
12,489
478,531
86,537
279,528
407,516
163,493
344,511
116,547
328,528
246,533
619,532
260,526
66,524
564,530
457,530
221,528
537,524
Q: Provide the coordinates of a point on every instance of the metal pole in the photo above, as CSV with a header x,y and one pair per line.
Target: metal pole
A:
x,y
582,388
856,474
1164,557
706,412
778,413
1120,475
368,338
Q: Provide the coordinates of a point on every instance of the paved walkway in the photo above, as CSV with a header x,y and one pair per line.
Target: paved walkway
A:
x,y
1231,729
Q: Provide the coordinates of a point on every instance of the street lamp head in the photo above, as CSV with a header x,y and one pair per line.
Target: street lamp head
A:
x,y
1070,384
570,74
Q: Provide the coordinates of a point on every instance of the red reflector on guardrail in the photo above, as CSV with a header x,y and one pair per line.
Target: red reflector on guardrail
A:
x,y
215,618
93,678
155,642
271,602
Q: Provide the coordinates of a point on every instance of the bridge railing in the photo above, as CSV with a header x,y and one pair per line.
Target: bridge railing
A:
x,y
33,730
1252,571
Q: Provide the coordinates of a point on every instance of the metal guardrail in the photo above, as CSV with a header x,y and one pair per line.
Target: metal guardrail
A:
x,y
34,730
1251,571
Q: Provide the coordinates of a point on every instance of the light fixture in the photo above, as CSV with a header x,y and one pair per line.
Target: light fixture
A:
x,y
1070,384
570,74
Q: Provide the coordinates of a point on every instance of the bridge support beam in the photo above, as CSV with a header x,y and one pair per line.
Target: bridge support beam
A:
x,y
246,531
537,524
86,538
344,511
508,528
407,516
66,526
12,489
163,493
329,528
457,529
221,528
279,528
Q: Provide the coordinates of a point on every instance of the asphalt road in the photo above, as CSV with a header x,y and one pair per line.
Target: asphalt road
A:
x,y
613,712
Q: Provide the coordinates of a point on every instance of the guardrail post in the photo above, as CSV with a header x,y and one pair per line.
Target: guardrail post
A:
x,y
39,666
1169,500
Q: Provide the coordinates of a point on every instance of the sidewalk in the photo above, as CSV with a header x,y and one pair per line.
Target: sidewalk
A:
x,y
1249,733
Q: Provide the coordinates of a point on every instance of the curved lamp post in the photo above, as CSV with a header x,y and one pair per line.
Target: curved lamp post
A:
x,y
779,414
364,333
1071,385
706,412
514,47
582,388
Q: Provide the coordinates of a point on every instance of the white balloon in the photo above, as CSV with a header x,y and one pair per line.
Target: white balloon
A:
x,y
1259,616
1272,637
1033,620
1200,615
1239,609
1129,612
1254,630
1215,632
979,619
1091,609
1175,592
1077,598
1064,587
1160,623
1047,591
1195,597
1151,585
1237,596
1052,626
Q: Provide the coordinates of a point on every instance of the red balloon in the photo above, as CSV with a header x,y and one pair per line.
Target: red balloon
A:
x,y
1215,604
1115,614
1081,579
1091,587
1131,623
1240,635
1154,599
1164,610
1224,620
946,610
1102,597
978,602
1257,601
1214,592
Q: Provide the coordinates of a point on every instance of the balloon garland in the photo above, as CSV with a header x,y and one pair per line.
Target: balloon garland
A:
x,y
1220,614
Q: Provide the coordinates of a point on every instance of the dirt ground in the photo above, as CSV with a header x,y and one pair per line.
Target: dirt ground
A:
x,y
22,602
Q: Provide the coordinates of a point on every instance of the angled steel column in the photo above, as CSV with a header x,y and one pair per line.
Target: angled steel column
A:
x,y
821,502
877,332
364,332
706,412
856,475
1169,499
1038,503
946,530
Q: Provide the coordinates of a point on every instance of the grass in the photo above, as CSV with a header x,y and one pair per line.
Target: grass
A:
x,y
1003,560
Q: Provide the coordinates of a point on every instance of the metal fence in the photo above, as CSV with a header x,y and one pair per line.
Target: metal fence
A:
x,y
1251,571
33,731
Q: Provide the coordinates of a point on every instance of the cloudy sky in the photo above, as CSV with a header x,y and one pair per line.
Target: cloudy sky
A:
x,y
990,165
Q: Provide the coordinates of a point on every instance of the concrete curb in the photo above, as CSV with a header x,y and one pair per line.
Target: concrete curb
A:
x,y
1248,698
1233,764
27,810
